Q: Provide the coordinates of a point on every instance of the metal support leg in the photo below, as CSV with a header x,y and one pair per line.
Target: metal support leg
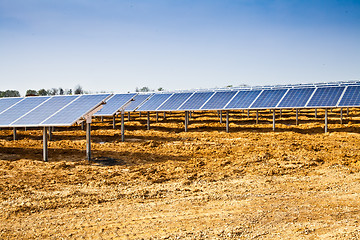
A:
x,y
122,127
227,121
297,116
148,121
257,116
341,116
50,133
14,134
139,114
88,141
190,114
102,119
186,120
273,119
326,120
129,116
157,116
114,122
316,113
45,144
82,126
164,115
221,120
347,111
248,113
280,113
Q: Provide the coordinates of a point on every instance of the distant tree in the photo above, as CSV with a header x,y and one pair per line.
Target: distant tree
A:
x,y
143,89
42,92
61,91
161,89
31,92
78,90
68,91
53,91
9,93
229,86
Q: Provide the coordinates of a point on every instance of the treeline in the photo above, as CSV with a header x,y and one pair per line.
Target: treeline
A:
x,y
9,93
55,91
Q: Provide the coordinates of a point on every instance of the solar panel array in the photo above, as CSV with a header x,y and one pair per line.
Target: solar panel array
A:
x,y
295,96
47,111
66,110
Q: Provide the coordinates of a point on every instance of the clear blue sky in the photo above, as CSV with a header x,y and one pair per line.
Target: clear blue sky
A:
x,y
118,45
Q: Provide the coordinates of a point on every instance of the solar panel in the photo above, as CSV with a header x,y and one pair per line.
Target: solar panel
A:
x,y
296,98
268,99
138,100
351,97
243,99
114,104
325,97
44,110
196,101
219,100
175,101
154,102
75,110
5,103
21,108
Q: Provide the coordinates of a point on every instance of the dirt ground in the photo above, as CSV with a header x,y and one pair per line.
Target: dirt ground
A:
x,y
164,183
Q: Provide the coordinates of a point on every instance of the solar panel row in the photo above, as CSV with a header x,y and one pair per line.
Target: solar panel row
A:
x,y
308,97
47,111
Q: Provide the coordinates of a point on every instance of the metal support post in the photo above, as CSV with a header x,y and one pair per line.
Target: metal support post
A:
x,y
326,120
186,120
148,121
82,126
88,140
257,116
157,116
341,116
227,121
45,144
248,113
102,119
273,119
316,113
297,116
139,114
164,115
221,120
280,113
122,127
347,111
129,116
190,114
50,133
114,121
14,134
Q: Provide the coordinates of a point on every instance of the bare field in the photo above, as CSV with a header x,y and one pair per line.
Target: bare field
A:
x,y
251,183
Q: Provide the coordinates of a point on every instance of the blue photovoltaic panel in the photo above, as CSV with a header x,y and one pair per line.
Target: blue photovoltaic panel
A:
x,y
5,103
138,99
243,99
269,98
326,97
296,98
154,102
20,109
219,100
196,101
75,110
175,101
351,97
114,104
44,110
